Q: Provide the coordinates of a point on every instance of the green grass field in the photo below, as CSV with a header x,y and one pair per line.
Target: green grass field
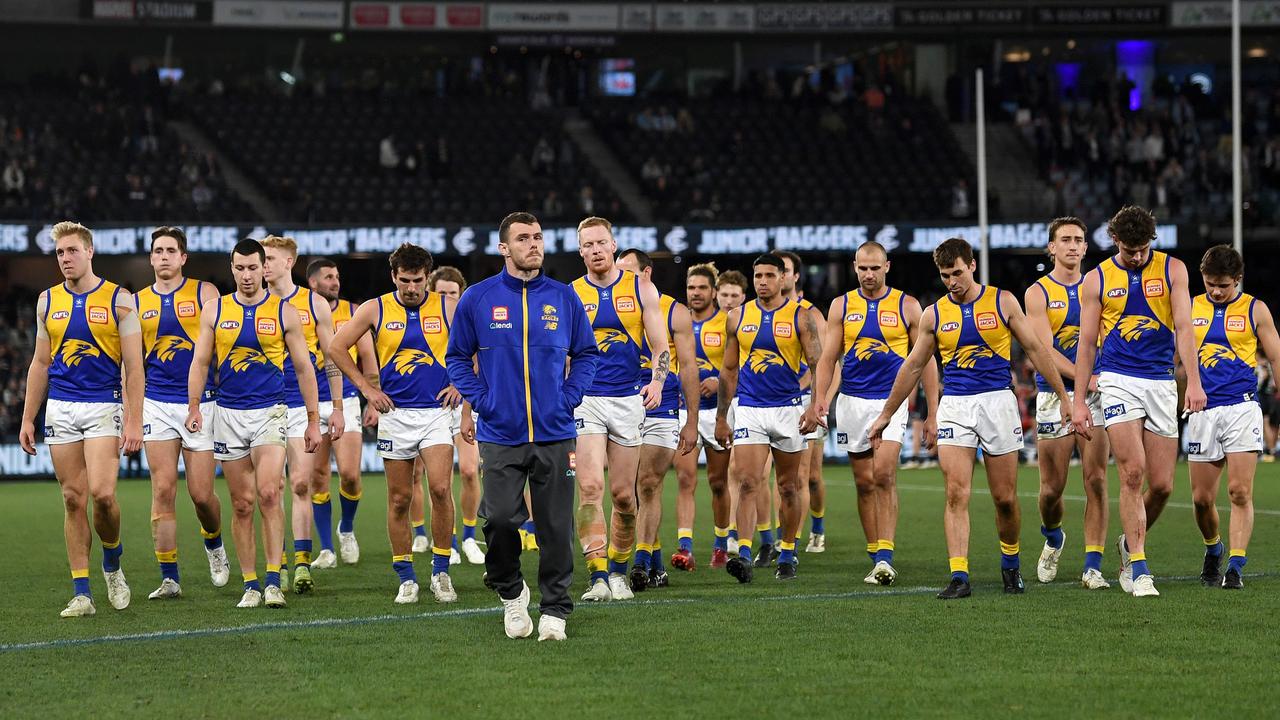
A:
x,y
822,646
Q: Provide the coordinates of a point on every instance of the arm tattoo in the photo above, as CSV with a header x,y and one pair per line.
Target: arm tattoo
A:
x,y
662,367
331,370
374,379
813,345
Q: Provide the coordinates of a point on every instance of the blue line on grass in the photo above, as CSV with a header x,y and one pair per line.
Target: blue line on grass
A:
x,y
474,612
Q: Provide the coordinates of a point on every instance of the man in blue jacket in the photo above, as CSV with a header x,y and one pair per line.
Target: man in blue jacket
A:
x,y
521,327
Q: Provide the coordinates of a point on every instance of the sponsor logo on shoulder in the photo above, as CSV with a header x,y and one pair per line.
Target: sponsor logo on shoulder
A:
x,y
431,325
889,319
749,328
949,327
624,303
854,317
500,313
394,325
267,326
1057,305
712,339
59,315
782,330
1113,411
1200,322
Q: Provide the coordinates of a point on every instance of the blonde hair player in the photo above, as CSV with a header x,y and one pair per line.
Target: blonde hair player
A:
x,y
86,331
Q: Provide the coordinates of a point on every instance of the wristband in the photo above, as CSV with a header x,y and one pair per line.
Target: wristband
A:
x,y
313,416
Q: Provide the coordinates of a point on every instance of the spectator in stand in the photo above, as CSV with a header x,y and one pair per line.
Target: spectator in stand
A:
x,y
14,181
543,158
552,207
586,201
202,197
960,207
652,170
388,154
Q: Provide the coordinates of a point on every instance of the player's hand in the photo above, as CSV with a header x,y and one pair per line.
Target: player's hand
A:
x,y
379,401
370,416
930,433
468,428
337,424
724,435
311,438
876,431
651,394
823,409
195,420
1194,399
131,438
1093,384
27,437
709,387
688,435
1081,419
808,421
449,397
1066,410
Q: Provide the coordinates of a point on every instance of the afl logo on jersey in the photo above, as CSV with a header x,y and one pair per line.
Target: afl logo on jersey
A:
x,y
1200,322
1057,305
98,315
148,315
186,309
949,327
749,328
987,321
590,307
394,325
854,317
1117,292
229,325
63,315
1235,323
266,326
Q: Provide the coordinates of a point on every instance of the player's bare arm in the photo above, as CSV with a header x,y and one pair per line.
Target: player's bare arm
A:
x,y
449,396
931,377
1180,303
728,379
201,357
301,359
655,332
908,375
1040,356
824,372
687,358
130,330
811,342
358,330
1086,350
37,379
1038,316
324,336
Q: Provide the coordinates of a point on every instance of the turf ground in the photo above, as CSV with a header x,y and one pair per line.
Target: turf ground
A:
x,y
821,646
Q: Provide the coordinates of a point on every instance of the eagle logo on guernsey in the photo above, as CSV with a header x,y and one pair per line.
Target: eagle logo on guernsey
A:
x,y
607,338
408,360
967,355
1212,353
242,358
760,361
1134,326
1067,337
168,346
864,348
73,351
705,365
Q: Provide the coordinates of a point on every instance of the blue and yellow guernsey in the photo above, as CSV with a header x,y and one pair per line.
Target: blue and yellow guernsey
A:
x,y
304,301
1227,344
84,343
250,353
875,343
616,315
1136,338
708,343
769,355
1062,304
341,316
170,326
973,343
669,406
411,343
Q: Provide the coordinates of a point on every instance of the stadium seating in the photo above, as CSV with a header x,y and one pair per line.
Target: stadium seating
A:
x,y
785,162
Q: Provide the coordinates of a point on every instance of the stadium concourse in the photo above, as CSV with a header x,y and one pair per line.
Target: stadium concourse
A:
x,y
784,195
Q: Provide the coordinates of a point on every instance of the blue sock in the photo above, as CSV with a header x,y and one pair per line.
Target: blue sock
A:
x,y
816,524
720,543
686,543
404,570
81,585
454,541
347,523
733,535
657,560
468,531
322,512
960,575
1093,560
439,561
273,578
1237,563
420,530
1215,550
111,556
529,527
1009,562
1140,568
214,542
617,568
169,570
744,552
254,584
787,557
766,537
302,552
1053,536
642,559
885,555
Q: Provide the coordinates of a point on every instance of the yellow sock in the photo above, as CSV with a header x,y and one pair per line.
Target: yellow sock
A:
x,y
959,564
1008,549
884,544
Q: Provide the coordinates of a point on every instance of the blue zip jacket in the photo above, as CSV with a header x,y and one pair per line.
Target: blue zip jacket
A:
x,y
522,333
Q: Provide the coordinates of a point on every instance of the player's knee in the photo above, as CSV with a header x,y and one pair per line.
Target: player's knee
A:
x,y
1161,492
440,493
882,478
719,486
958,498
350,483
399,503
1240,493
269,498
73,500
1131,473
1006,506
242,505
590,489
624,501
164,497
